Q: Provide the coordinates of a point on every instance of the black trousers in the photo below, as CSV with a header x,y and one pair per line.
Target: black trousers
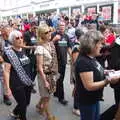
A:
x,y
22,97
59,85
75,104
109,114
117,95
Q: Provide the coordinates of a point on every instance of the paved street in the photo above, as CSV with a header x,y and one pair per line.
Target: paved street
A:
x,y
62,112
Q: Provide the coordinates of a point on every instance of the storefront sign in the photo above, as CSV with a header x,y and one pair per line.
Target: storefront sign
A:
x,y
65,11
107,12
91,10
76,10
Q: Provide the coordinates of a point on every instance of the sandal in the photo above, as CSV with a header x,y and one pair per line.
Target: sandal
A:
x,y
51,118
40,109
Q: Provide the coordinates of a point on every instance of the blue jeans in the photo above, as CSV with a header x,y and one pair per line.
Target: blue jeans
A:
x,y
90,112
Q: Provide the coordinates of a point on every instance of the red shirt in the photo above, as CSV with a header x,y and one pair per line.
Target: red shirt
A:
x,y
110,38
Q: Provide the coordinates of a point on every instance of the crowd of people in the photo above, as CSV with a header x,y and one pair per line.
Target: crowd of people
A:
x,y
38,50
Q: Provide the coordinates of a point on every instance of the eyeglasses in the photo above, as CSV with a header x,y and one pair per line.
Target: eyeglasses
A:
x,y
17,38
47,32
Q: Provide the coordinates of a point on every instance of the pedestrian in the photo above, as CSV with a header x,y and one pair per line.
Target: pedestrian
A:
x,y
5,43
46,70
63,46
75,53
90,78
17,67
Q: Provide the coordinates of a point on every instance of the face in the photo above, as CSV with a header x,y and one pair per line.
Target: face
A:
x,y
5,32
97,48
47,35
18,41
15,26
62,27
106,32
33,29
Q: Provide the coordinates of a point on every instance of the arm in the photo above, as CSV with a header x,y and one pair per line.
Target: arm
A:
x,y
6,76
56,38
1,59
69,51
89,84
74,56
40,69
29,47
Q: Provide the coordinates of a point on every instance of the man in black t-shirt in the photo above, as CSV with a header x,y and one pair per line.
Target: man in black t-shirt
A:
x,y
62,45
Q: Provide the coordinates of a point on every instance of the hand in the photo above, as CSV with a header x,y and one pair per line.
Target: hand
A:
x,y
114,80
1,59
56,38
47,85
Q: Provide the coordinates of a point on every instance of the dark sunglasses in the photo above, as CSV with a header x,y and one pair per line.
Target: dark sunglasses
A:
x,y
47,32
17,38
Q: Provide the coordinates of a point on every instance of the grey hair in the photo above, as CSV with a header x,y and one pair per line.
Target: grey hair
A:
x,y
89,40
13,34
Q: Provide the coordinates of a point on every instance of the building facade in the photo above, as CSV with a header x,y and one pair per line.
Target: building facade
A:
x,y
25,8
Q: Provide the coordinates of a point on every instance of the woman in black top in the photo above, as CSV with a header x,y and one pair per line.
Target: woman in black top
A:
x,y
17,66
90,79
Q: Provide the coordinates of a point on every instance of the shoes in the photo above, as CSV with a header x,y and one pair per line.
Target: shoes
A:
x,y
55,94
76,112
14,116
7,100
63,102
52,118
33,90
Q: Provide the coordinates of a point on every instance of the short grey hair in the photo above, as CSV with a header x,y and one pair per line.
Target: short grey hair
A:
x,y
89,40
13,34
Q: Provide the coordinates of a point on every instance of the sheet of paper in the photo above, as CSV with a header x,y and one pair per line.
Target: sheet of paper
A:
x,y
114,74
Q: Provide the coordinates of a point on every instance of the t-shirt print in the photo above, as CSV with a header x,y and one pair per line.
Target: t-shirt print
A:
x,y
24,60
62,42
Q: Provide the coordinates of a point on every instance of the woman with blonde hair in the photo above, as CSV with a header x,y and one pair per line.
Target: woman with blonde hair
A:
x,y
46,70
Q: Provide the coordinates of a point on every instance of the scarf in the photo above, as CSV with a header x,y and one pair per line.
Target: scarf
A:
x,y
15,62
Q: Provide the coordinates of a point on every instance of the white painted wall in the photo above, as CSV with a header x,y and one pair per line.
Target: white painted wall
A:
x,y
30,6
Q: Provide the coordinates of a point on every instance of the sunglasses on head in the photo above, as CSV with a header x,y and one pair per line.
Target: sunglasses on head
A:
x,y
17,38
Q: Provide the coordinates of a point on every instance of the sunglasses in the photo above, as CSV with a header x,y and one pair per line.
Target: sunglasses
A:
x,y
47,32
17,38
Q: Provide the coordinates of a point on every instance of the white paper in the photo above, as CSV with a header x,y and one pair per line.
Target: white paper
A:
x,y
114,74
